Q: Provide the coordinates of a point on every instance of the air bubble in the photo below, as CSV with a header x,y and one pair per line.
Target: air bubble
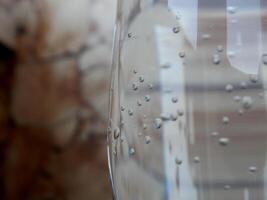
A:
x,y
139,102
165,116
139,134
247,102
227,187
150,86
252,169
232,9
224,141
229,88
264,59
144,126
122,108
176,29
182,54
206,36
196,159
130,112
166,66
225,120
261,95
253,78
178,161
158,123
116,133
219,48
134,86
215,133
243,85
237,98
147,139
135,71
129,35
173,117
216,59
141,79
131,151
147,98
174,99
240,112
180,113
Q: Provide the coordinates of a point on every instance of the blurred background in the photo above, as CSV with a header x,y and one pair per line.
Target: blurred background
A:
x,y
54,67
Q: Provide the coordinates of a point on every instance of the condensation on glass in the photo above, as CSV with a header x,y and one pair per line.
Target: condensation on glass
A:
x,y
187,117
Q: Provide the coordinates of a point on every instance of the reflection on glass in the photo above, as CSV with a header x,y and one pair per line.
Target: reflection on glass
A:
x,y
187,116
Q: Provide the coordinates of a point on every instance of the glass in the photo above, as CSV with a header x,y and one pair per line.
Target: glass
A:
x,y
187,117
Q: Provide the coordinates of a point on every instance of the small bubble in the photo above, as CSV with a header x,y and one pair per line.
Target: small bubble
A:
x,y
139,102
180,113
227,187
215,133
134,86
144,116
253,78
224,141
150,86
252,169
122,123
144,126
130,112
243,85
178,161
247,102
116,133
229,88
158,123
131,151
147,98
206,36
176,29
225,120
141,79
196,159
174,99
232,9
173,117
237,98
219,48
182,54
240,111
147,139
122,108
129,35
216,59
165,116
135,71
264,59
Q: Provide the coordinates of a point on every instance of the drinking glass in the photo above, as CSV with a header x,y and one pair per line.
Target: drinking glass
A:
x,y
187,117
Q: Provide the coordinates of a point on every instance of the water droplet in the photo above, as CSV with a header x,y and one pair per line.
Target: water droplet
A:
x,y
116,133
229,88
139,102
173,117
247,102
243,85
158,123
141,79
178,161
216,59
134,86
180,113
122,108
264,59
224,141
232,9
131,151
219,48
215,133
196,159
252,169
176,29
174,99
253,78
182,54
147,139
130,112
147,98
227,187
225,120
237,98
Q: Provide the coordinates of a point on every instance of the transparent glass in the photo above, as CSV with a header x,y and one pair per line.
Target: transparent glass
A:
x,y
187,117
